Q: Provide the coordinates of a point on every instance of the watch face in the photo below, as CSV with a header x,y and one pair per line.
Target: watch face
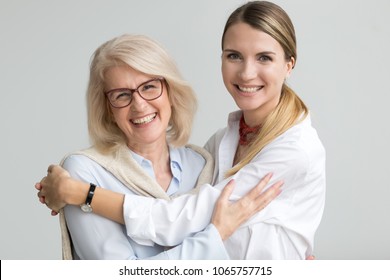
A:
x,y
86,208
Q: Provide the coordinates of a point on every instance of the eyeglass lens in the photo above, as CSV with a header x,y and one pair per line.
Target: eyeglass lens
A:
x,y
149,90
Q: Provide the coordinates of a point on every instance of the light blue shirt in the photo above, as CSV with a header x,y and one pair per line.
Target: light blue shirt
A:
x,y
95,237
177,186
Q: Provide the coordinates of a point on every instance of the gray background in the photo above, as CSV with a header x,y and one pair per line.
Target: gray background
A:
x,y
342,73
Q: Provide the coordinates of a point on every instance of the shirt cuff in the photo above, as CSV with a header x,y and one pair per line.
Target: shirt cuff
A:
x,y
138,221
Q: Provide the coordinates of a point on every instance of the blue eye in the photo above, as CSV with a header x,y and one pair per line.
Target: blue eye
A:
x,y
233,56
264,58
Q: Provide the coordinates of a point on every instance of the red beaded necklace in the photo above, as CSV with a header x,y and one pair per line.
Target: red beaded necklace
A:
x,y
245,130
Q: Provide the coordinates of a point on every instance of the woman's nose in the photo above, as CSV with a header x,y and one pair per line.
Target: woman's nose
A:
x,y
137,102
248,71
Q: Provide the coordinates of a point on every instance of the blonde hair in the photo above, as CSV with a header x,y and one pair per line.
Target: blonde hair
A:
x,y
147,56
273,20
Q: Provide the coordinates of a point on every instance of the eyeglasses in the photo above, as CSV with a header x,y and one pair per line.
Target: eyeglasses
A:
x,y
149,90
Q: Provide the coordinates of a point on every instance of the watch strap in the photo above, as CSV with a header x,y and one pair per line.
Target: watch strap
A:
x,y
91,192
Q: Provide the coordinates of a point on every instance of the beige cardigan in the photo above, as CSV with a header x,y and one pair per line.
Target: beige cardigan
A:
x,y
122,165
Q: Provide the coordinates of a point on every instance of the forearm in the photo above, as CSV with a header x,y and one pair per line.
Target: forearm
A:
x,y
109,204
105,203
168,222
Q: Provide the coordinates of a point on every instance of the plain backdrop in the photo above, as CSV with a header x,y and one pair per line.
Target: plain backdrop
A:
x,y
342,73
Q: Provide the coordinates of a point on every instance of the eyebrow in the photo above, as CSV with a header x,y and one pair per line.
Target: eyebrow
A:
x,y
132,89
260,53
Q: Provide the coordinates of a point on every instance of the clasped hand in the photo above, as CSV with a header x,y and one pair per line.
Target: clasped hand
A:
x,y
52,188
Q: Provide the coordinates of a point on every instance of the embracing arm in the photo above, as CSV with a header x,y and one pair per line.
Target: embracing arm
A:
x,y
58,189
169,222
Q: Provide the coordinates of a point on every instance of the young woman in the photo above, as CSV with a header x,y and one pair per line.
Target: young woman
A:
x,y
271,132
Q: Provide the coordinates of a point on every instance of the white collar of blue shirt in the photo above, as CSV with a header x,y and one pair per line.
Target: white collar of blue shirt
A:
x,y
175,163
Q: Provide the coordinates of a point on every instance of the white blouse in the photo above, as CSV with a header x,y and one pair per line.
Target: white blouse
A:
x,y
283,230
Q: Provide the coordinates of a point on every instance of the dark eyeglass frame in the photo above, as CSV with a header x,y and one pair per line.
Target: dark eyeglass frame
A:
x,y
132,91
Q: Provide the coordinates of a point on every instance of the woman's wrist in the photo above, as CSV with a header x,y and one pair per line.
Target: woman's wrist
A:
x,y
76,192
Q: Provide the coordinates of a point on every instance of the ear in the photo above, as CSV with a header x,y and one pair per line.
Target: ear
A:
x,y
290,66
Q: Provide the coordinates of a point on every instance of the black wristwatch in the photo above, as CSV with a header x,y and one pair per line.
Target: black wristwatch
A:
x,y
86,207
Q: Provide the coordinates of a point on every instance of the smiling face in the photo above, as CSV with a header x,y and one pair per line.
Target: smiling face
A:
x,y
143,122
254,68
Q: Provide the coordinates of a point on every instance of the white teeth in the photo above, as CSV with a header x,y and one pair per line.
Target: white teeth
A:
x,y
144,120
248,89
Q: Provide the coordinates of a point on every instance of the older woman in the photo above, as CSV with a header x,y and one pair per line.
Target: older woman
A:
x,y
140,113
